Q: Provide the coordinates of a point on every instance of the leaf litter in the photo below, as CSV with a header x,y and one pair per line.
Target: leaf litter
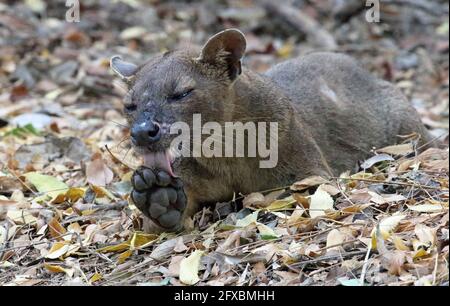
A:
x,y
66,162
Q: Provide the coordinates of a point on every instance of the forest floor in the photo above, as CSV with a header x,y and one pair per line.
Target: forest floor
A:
x,y
63,137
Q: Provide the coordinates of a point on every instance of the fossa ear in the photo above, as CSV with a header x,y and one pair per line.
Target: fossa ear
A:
x,y
225,48
122,68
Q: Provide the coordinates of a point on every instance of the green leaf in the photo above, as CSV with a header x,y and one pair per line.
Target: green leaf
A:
x,y
47,184
266,232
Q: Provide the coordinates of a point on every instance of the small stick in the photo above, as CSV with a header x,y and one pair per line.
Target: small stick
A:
x,y
388,183
329,257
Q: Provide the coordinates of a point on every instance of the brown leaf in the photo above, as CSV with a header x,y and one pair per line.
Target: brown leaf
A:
x,y
309,182
98,173
56,229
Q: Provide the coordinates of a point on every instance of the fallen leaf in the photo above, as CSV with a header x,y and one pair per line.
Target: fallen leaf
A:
x,y
74,194
141,240
58,269
426,208
426,235
296,216
189,268
98,173
401,149
254,199
334,239
352,282
21,216
56,229
179,246
385,198
57,250
320,202
9,184
266,232
95,277
376,159
282,204
250,219
385,227
48,185
123,256
164,249
309,182
174,266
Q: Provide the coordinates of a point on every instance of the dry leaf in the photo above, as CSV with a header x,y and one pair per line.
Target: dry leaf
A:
x,y
320,202
401,149
98,173
309,182
189,268
385,227
334,239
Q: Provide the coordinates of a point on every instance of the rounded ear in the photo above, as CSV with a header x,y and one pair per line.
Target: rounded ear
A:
x,y
226,47
122,68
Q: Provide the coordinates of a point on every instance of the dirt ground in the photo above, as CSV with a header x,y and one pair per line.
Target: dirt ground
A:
x,y
63,136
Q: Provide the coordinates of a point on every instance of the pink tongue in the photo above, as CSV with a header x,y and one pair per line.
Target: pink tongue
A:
x,y
158,160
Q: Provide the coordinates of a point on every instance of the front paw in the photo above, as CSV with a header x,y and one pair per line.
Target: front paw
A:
x,y
159,196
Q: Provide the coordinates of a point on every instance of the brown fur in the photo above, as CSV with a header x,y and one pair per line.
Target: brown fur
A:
x,y
330,112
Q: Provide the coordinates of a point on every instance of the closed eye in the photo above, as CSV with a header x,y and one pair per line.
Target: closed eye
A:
x,y
179,96
130,107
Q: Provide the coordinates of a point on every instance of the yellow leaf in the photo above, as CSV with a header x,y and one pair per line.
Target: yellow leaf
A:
x,y
127,176
95,277
141,239
286,50
385,227
74,194
189,268
57,250
320,202
399,244
48,185
101,192
54,268
123,256
56,229
88,212
420,253
115,248
281,204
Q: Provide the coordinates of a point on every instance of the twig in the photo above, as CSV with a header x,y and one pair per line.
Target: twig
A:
x,y
329,257
366,264
388,183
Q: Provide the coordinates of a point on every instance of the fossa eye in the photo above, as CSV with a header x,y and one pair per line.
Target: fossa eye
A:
x,y
130,107
182,95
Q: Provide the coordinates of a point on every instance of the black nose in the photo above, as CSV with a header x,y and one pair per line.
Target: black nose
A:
x,y
145,133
